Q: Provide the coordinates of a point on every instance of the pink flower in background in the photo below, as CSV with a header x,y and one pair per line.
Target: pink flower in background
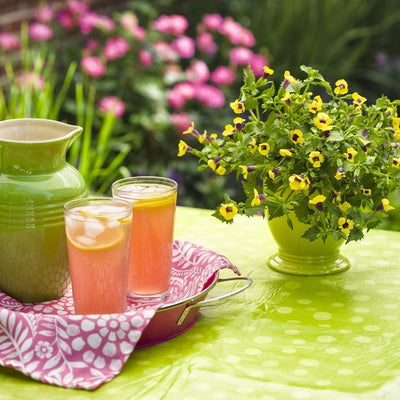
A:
x,y
92,45
165,51
65,19
206,44
90,20
77,6
209,95
213,21
93,66
198,72
175,100
112,104
181,122
40,32
31,80
257,63
232,30
9,41
115,47
247,38
129,21
145,58
171,24
44,14
185,90
240,56
184,46
223,76
139,33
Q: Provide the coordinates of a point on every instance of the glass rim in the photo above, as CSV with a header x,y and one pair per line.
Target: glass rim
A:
x,y
170,185
125,208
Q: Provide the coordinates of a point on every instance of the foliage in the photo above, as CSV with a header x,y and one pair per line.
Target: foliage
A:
x,y
306,148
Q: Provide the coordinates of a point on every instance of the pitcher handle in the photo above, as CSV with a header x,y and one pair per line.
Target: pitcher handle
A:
x,y
214,300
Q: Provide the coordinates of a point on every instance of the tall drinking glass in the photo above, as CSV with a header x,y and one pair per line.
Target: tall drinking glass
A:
x,y
98,231
153,217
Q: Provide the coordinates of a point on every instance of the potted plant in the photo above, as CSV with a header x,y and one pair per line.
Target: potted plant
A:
x,y
316,157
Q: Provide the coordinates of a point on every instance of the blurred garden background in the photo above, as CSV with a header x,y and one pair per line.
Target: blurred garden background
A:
x,y
135,73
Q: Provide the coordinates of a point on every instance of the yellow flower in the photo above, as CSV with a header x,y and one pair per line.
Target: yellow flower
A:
x,y
344,206
341,87
286,99
396,123
288,79
386,206
316,158
350,154
285,152
228,211
296,136
340,173
367,192
396,162
256,200
317,201
220,170
358,100
345,225
212,164
229,129
189,130
298,182
183,148
316,105
237,106
244,171
267,71
264,148
323,121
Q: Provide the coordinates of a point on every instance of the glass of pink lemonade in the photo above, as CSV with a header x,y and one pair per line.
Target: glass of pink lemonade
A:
x,y
152,234
98,231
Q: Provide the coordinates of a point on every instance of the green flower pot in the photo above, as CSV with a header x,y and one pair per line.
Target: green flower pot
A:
x,y
35,182
299,256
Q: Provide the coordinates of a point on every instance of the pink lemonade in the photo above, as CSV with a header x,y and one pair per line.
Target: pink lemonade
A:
x,y
98,255
150,257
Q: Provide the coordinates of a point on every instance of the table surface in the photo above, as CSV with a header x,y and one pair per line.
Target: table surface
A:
x,y
285,337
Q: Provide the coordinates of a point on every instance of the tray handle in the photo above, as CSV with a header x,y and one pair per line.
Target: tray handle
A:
x,y
211,302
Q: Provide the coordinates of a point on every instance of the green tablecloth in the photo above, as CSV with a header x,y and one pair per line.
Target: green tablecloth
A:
x,y
283,338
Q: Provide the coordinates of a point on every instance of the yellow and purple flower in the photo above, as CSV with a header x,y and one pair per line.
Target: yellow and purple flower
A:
x,y
323,121
239,123
272,173
367,192
288,79
340,173
238,106
316,158
396,162
246,170
385,205
299,182
316,105
183,148
296,136
358,100
286,99
214,163
229,130
267,71
220,170
350,154
317,201
341,87
258,198
345,225
228,210
264,148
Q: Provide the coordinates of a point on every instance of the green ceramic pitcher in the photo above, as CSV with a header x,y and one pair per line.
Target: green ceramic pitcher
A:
x,y
35,182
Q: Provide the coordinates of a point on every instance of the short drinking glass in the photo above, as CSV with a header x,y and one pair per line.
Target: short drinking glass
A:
x,y
153,216
98,231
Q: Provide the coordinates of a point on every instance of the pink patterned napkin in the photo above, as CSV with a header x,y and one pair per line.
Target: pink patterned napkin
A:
x,y
49,343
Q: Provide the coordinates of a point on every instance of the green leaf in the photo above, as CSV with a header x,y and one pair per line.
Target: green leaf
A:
x,y
311,233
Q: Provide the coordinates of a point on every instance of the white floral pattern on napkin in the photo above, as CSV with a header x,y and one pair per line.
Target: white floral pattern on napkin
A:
x,y
49,343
